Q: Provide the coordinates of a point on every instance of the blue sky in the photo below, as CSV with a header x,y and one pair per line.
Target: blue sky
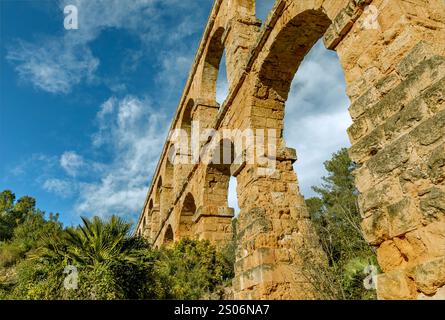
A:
x,y
84,113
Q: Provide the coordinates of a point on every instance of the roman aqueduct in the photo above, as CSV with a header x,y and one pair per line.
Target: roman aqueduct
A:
x,y
394,66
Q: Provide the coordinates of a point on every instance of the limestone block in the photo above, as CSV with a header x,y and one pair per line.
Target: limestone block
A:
x,y
376,228
418,54
436,164
390,257
432,203
395,286
403,217
429,276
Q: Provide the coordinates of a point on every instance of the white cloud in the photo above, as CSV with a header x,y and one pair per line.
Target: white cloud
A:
x,y
62,188
174,68
317,115
72,163
54,67
135,133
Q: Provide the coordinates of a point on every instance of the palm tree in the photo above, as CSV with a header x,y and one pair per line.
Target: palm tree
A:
x,y
111,263
95,243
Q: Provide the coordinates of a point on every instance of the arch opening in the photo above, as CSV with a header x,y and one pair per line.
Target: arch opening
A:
x,y
219,173
182,142
169,235
158,192
232,196
180,152
157,215
305,83
186,218
222,84
314,119
211,67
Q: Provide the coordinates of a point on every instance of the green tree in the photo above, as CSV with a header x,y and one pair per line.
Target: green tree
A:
x,y
192,269
22,228
13,213
336,217
111,264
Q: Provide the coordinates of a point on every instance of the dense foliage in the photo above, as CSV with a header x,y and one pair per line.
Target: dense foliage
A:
x,y
110,263
336,218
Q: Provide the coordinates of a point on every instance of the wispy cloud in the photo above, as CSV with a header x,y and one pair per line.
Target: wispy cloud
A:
x,y
72,163
54,67
57,64
61,188
135,133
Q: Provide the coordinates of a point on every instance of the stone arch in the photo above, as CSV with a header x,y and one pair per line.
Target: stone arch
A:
x,y
270,201
186,121
167,189
153,213
186,216
156,211
279,67
180,146
218,173
180,151
289,48
169,236
210,69
158,191
214,218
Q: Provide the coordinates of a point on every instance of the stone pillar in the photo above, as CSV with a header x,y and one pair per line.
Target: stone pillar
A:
x,y
147,230
166,198
213,224
205,112
241,35
204,115
275,237
183,164
400,147
155,223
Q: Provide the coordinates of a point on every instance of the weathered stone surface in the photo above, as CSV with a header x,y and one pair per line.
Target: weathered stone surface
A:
x,y
430,130
419,53
432,203
382,195
376,228
423,244
403,217
436,165
395,77
429,276
390,158
439,295
395,286
389,256
367,146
